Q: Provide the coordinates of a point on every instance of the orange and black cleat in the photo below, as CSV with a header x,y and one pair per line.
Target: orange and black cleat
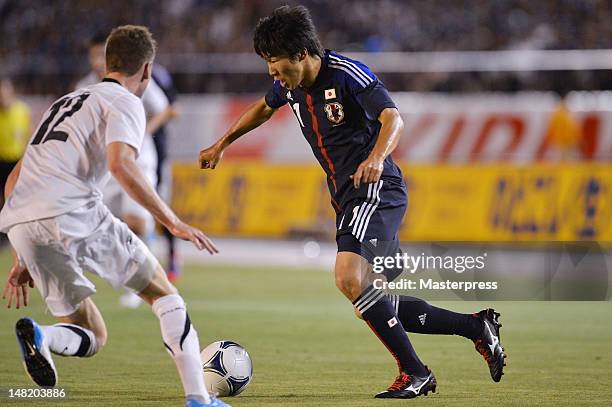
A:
x,y
409,386
488,344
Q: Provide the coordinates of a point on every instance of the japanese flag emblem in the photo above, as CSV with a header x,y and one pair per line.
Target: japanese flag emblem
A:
x,y
330,94
334,111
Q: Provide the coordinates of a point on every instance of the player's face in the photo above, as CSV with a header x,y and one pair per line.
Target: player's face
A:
x,y
289,72
97,59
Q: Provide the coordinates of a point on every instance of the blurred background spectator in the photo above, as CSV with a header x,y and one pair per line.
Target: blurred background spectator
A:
x,y
480,85
44,44
14,133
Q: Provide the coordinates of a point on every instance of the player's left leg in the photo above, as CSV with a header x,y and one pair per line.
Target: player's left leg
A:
x,y
180,337
141,222
131,264
482,328
137,219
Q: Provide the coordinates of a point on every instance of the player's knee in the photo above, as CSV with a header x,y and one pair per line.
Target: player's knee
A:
x,y
136,224
101,338
348,285
159,287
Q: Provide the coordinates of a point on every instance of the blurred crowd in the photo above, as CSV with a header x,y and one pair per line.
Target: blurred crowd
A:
x,y
44,43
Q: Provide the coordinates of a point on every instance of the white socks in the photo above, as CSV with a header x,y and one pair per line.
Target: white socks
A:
x,y
181,341
70,340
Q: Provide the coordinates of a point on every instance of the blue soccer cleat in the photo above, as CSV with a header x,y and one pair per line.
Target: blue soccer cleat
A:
x,y
213,403
35,353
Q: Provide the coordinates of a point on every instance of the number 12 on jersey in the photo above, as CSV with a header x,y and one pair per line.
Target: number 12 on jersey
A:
x,y
69,106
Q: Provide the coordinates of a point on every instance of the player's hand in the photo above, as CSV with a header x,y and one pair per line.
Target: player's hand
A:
x,y
17,285
195,236
368,171
209,157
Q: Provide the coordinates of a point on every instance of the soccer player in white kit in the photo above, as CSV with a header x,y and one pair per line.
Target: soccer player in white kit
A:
x,y
158,112
59,228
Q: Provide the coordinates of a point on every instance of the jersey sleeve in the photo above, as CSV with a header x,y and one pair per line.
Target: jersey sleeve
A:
x,y
154,99
365,87
275,97
374,99
126,122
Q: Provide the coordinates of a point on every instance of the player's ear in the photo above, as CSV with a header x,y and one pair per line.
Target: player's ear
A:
x,y
302,54
146,72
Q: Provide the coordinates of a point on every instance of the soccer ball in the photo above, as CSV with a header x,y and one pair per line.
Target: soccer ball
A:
x,y
227,368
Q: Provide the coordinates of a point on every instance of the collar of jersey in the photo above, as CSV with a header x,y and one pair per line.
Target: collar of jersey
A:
x,y
111,80
322,72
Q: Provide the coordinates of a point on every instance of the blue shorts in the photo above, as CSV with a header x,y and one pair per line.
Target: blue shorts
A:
x,y
371,219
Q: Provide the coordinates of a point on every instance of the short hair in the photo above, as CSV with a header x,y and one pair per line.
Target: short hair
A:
x,y
286,32
128,48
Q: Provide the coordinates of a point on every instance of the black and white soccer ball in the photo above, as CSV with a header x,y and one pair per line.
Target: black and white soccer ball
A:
x,y
227,368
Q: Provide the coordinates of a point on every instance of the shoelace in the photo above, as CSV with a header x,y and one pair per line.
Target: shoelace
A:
x,y
483,350
400,382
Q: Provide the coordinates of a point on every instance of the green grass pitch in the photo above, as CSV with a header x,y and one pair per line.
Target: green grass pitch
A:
x,y
308,349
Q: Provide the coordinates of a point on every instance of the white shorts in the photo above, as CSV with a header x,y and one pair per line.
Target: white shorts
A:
x,y
119,202
58,251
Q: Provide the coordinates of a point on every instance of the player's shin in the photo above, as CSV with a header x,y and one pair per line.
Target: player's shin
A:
x,y
418,316
70,340
378,312
181,341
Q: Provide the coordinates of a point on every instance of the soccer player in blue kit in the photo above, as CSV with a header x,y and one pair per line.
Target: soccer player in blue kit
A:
x,y
352,125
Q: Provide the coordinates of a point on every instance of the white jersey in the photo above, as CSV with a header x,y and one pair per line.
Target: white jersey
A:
x,y
118,201
154,99
64,165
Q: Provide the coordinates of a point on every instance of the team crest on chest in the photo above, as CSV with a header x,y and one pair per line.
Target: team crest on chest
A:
x,y
334,111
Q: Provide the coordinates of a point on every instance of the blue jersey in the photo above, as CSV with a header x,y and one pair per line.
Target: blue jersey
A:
x,y
338,116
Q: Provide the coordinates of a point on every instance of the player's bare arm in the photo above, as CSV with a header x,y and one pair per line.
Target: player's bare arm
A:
x,y
17,284
160,119
370,170
121,160
19,278
256,115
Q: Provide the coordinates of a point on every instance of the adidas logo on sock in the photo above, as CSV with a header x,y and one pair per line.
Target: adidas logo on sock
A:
x,y
422,318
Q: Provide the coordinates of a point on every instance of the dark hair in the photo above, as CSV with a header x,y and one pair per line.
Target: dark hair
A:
x,y
99,38
286,32
128,48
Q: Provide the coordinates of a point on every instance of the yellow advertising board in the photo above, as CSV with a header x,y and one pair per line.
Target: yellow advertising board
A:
x,y
474,202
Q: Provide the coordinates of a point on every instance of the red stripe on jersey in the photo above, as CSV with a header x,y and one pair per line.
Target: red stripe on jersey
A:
x,y
315,128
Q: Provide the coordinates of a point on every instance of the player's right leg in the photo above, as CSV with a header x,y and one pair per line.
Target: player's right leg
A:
x,y
80,334
180,338
59,278
351,272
